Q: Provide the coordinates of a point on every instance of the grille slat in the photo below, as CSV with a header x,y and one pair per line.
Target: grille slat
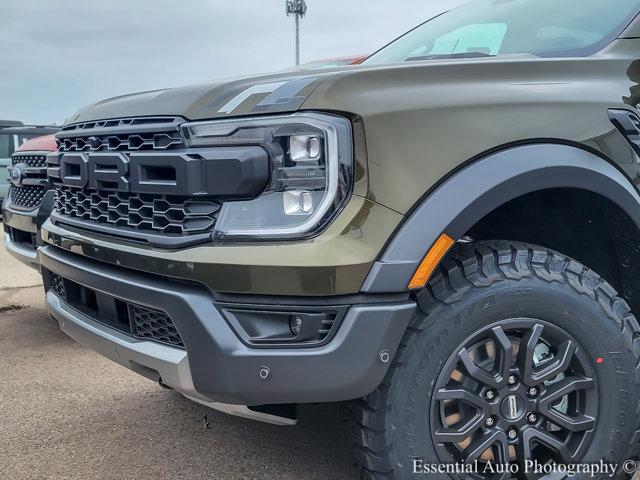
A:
x,y
121,142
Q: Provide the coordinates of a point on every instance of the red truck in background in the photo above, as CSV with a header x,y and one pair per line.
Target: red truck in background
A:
x,y
29,200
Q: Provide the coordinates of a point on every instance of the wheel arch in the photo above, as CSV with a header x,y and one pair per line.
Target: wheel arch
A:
x,y
484,185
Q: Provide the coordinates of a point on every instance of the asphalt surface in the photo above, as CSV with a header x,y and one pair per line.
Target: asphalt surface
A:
x,y
68,413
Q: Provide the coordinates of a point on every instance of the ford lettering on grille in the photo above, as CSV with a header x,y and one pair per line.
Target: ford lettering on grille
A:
x,y
137,179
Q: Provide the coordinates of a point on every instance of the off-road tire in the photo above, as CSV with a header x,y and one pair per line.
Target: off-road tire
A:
x,y
477,285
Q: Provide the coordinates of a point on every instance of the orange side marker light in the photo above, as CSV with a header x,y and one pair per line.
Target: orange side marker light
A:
x,y
431,260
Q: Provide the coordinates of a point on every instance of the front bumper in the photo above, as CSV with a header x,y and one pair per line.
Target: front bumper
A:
x,y
24,254
25,224
217,366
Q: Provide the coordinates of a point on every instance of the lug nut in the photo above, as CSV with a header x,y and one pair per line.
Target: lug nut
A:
x,y
489,422
512,433
533,391
511,380
489,395
532,418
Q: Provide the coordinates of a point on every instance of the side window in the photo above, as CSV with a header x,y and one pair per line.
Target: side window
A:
x,y
6,145
483,38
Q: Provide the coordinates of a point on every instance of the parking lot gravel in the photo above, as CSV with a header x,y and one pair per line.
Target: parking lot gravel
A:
x,y
68,413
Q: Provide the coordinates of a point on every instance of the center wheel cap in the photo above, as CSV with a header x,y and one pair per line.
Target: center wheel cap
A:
x,y
512,407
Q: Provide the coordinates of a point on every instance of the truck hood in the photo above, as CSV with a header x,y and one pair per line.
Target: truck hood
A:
x,y
274,93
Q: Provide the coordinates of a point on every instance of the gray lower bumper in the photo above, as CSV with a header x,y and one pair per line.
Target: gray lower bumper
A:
x,y
143,357
146,358
28,256
217,366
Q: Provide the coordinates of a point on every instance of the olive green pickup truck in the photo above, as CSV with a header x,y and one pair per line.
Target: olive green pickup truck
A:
x,y
446,236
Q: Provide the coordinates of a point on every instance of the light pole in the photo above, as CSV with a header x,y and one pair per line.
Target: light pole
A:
x,y
297,8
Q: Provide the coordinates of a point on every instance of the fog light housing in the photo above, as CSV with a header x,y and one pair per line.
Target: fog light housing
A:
x,y
283,326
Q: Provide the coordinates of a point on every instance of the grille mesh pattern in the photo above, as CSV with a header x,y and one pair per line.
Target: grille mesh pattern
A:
x,y
138,213
29,160
57,285
154,325
164,214
27,197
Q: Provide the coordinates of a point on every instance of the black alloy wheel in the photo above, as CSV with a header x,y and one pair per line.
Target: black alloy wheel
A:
x,y
522,389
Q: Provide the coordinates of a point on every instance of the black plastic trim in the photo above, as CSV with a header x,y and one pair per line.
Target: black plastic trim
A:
x,y
30,220
221,172
229,311
223,368
130,234
466,196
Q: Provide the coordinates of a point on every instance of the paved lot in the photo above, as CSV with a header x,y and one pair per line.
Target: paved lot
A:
x,y
68,413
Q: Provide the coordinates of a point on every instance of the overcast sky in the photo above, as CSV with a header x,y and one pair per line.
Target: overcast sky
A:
x,y
58,55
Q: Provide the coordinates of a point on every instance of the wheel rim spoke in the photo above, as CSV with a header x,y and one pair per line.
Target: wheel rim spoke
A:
x,y
527,352
477,373
463,395
523,453
575,423
457,435
557,366
479,446
530,435
504,354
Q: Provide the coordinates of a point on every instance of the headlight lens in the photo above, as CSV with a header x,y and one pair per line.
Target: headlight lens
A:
x,y
311,173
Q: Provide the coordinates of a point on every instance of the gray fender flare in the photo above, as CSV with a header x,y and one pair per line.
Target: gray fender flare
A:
x,y
478,188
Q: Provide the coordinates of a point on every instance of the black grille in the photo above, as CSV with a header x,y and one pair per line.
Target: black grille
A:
x,y
124,142
125,134
57,285
160,213
28,197
31,160
166,217
149,324
129,318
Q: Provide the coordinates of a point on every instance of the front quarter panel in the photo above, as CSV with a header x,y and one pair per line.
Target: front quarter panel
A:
x,y
423,120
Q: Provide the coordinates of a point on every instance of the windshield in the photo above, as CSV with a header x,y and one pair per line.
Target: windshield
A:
x,y
546,28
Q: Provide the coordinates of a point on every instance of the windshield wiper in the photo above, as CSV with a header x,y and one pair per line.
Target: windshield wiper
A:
x,y
445,56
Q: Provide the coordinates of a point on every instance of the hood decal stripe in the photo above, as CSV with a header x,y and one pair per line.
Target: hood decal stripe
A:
x,y
287,92
236,101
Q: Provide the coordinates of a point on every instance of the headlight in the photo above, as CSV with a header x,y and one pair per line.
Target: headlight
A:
x,y
310,179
